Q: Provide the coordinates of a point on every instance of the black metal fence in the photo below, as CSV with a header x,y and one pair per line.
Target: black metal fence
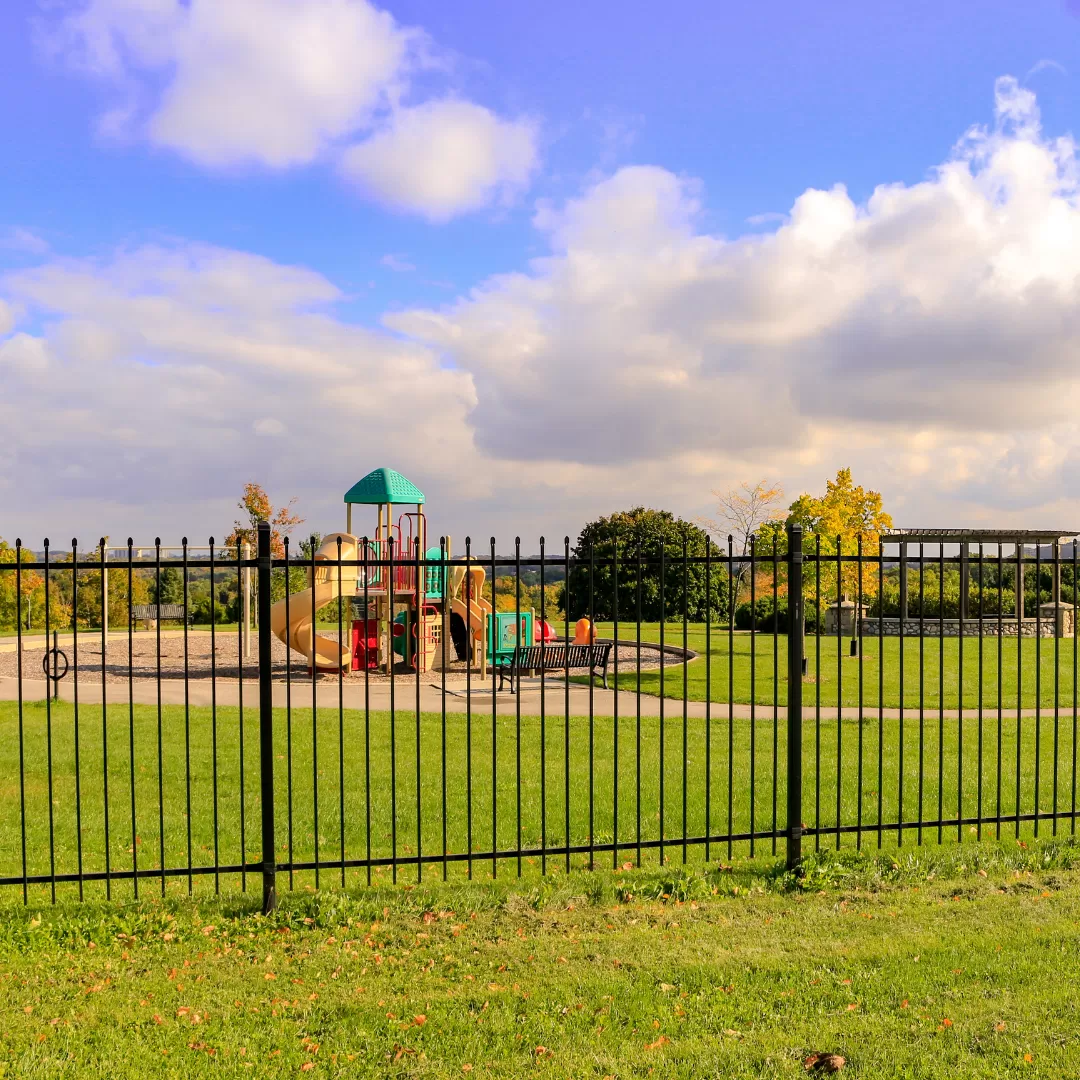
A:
x,y
135,758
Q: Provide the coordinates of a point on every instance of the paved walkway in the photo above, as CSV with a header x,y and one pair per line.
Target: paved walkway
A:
x,y
603,702
9,643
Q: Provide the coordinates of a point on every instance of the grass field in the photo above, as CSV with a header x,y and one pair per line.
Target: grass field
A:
x,y
918,967
928,666
729,780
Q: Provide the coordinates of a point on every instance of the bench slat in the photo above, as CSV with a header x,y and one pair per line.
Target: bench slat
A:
x,y
561,657
160,612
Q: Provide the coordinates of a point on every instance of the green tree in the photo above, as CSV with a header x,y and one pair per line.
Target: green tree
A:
x,y
88,601
507,591
172,587
648,534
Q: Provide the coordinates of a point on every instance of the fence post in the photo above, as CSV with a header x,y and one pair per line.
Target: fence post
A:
x,y
266,721
245,593
794,693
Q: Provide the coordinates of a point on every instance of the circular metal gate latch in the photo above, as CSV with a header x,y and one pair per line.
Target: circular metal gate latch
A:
x,y
57,656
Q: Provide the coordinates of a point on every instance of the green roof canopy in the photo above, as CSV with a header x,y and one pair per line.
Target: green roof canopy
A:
x,y
384,486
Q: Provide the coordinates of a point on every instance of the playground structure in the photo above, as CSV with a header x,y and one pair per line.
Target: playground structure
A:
x,y
404,594
293,623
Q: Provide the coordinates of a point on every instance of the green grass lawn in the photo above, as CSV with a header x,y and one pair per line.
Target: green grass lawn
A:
x,y
734,783
742,669
962,965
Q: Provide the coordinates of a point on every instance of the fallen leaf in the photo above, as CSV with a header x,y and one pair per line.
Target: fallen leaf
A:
x,y
824,1063
1000,1026
661,1040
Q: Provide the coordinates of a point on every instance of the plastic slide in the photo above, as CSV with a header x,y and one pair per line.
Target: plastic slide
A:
x,y
476,611
477,618
323,653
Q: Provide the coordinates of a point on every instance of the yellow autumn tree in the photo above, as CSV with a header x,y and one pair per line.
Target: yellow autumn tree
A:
x,y
837,520
30,605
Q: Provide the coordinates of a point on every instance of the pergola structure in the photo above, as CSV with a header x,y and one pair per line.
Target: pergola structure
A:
x,y
965,538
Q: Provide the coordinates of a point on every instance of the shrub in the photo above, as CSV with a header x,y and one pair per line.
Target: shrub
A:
x,y
765,620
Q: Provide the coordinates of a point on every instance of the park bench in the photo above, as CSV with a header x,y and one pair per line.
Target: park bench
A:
x,y
148,613
556,657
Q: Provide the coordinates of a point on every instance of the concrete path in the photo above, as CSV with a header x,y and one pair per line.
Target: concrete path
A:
x,y
603,702
118,638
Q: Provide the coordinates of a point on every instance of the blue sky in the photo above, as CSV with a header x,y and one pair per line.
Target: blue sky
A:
x,y
738,110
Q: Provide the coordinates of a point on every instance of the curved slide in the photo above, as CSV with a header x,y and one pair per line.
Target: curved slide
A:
x,y
476,618
323,653
475,612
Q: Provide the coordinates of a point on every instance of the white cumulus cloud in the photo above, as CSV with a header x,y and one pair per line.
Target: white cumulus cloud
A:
x,y
282,83
444,158
942,315
269,81
928,336
269,426
163,369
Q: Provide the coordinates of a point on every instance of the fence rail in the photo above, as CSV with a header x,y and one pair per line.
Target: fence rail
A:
x,y
762,702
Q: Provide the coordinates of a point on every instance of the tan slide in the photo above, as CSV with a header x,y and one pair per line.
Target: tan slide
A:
x,y
476,611
323,653
476,618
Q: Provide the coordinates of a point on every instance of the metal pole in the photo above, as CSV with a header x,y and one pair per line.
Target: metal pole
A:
x,y
1057,574
965,578
266,722
1019,586
105,606
903,583
794,695
245,589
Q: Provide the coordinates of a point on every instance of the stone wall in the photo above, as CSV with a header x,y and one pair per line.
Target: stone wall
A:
x,y
1046,626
